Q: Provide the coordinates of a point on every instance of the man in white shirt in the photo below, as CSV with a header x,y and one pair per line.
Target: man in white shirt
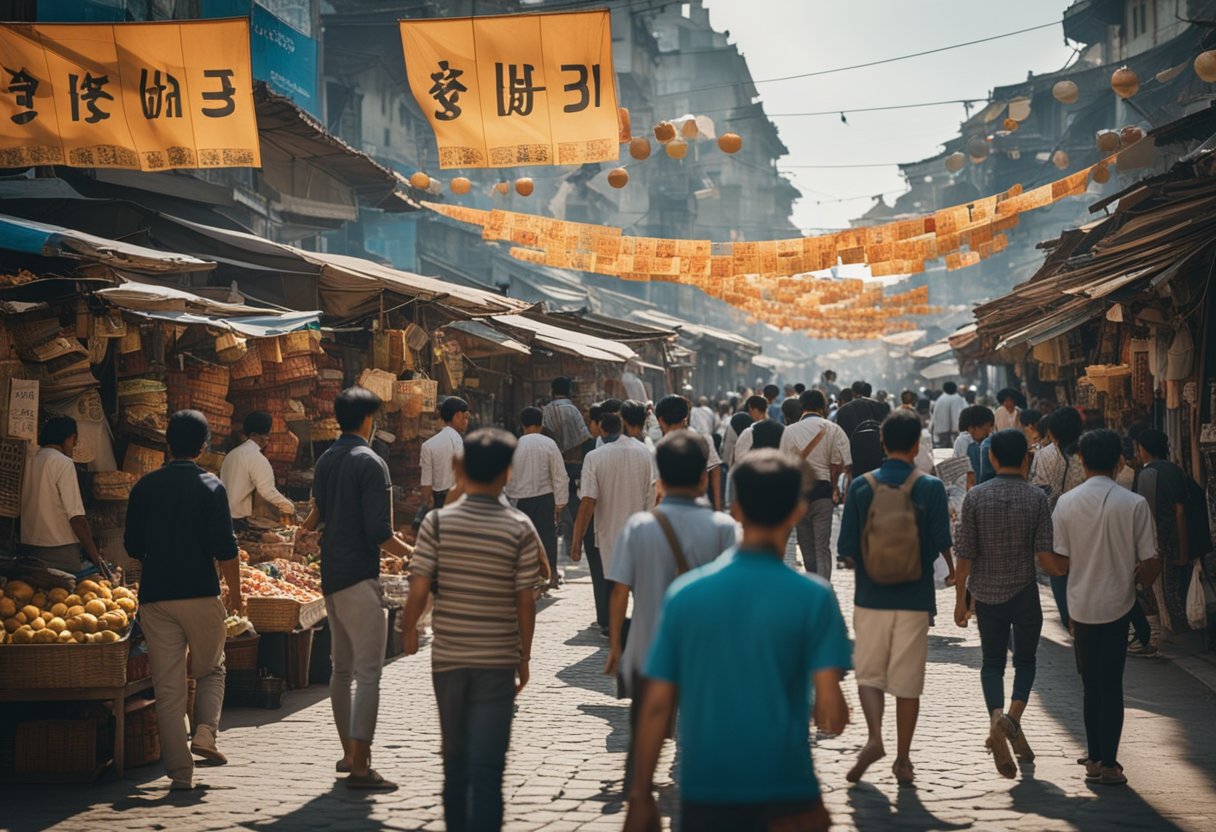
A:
x,y
618,481
757,409
539,485
702,419
823,447
1105,535
246,471
438,481
53,526
672,413
943,424
1008,412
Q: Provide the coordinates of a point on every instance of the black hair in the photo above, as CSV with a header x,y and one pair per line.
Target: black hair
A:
x,y
530,416
595,412
681,456
846,396
859,388
1065,428
487,454
451,406
768,487
756,403
353,405
57,430
974,415
950,387
791,409
771,391
800,388
188,433
1155,442
1009,447
611,406
560,386
767,434
1100,450
610,423
1028,418
901,432
909,397
813,400
740,421
633,413
257,422
672,409
1008,393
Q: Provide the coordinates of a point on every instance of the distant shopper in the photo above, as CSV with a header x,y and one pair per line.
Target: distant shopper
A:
x,y
863,408
672,413
702,419
828,384
943,423
438,481
1007,411
823,449
484,556
1164,485
179,528
353,497
1058,469
539,486
742,681
977,423
1005,528
563,422
247,474
757,409
771,394
1106,533
896,522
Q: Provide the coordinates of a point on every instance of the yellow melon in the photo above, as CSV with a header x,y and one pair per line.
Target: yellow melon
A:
x,y
46,637
66,638
96,607
72,600
21,618
123,592
19,591
8,607
56,624
11,625
88,622
30,612
57,594
59,610
127,605
108,637
79,637
106,593
76,610
88,596
39,600
23,635
87,586
37,624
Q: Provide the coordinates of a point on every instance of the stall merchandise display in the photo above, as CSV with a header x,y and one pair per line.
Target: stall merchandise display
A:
x,y
95,613
203,387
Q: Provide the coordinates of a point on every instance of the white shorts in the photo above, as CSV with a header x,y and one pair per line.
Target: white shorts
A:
x,y
891,649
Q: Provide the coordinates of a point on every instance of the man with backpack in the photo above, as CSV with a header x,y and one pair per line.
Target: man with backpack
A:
x,y
896,522
862,408
822,449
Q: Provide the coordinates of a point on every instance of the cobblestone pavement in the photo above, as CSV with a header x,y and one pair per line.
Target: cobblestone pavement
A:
x,y
570,734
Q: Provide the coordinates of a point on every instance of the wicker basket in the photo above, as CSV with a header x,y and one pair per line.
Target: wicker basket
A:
x,y
248,367
59,748
241,653
141,737
273,615
270,350
417,396
140,460
58,666
296,343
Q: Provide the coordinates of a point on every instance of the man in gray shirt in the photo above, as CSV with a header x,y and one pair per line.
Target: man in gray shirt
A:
x,y
653,549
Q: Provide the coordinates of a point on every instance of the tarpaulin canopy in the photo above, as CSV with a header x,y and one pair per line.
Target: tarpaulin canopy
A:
x,y
30,237
169,304
550,336
494,341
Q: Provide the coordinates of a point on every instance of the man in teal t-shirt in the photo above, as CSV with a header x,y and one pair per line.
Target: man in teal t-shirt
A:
x,y
739,643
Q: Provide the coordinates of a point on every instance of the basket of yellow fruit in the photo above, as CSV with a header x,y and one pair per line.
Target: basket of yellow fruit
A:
x,y
40,624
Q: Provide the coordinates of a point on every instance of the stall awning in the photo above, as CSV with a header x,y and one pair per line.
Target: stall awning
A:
x,y
933,350
579,344
941,369
653,316
30,237
166,303
495,341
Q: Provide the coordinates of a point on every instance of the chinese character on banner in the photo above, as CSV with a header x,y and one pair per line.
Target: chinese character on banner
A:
x,y
140,96
516,90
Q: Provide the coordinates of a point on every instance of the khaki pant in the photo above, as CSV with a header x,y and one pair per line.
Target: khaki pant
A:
x,y
171,627
358,628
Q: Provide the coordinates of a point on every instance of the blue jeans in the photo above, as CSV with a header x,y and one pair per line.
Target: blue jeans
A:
x,y
1059,589
1024,615
476,706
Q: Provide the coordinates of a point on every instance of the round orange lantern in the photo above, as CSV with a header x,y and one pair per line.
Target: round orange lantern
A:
x,y
1130,134
420,180
502,188
1060,159
624,126
955,162
523,186
1108,141
639,148
461,185
676,148
1205,66
689,128
664,131
1010,124
730,142
1066,92
1101,174
618,177
1125,82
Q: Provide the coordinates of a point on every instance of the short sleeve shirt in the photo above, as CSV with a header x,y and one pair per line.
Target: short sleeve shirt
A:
x,y
437,456
1166,493
50,500
1005,522
740,639
833,449
620,478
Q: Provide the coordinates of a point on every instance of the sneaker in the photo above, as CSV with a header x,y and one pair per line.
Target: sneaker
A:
x,y
1144,651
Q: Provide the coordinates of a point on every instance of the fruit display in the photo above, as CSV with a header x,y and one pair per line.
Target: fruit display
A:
x,y
95,613
307,578
257,584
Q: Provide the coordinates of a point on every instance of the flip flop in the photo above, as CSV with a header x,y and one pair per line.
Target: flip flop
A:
x,y
371,781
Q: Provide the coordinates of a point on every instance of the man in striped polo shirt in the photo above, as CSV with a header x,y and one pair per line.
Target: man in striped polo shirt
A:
x,y
482,557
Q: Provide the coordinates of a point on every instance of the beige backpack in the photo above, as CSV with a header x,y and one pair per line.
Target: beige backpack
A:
x,y
890,539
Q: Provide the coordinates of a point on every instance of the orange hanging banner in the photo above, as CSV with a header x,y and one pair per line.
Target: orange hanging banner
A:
x,y
516,90
143,96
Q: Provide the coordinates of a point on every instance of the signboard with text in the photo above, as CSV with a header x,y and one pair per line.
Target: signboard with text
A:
x,y
141,96
23,409
516,90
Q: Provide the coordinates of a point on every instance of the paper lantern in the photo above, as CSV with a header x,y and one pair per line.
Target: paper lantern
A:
x,y
623,125
1066,92
639,148
501,188
461,185
1130,134
664,131
977,148
1060,159
1010,124
1125,82
730,142
955,162
689,128
1101,174
1205,66
420,180
618,177
523,186
676,148
1108,141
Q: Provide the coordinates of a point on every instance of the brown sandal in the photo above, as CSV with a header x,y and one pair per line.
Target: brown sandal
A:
x,y
371,781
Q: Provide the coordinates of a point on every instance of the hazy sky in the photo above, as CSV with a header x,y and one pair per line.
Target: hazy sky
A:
x,y
786,37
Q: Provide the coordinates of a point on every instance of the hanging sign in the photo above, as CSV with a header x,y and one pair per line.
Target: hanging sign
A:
x,y
23,409
142,96
516,90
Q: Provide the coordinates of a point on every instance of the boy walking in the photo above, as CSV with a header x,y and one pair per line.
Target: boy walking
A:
x,y
744,702
485,557
891,613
